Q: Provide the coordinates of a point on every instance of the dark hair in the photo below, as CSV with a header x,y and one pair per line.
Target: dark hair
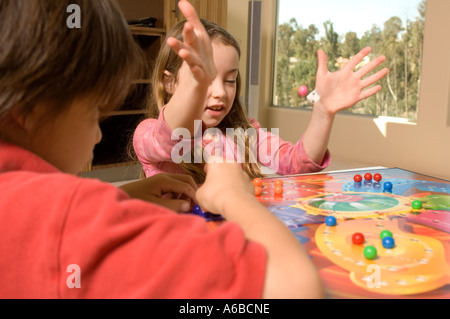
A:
x,y
42,59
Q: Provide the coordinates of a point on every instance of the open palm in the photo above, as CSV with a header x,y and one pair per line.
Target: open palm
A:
x,y
343,89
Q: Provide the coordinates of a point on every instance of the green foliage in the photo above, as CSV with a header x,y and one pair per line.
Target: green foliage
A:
x,y
296,62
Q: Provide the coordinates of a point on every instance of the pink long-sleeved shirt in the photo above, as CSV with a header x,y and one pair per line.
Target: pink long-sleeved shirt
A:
x,y
159,149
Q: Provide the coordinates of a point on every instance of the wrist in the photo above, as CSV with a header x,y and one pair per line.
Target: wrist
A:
x,y
322,110
313,97
234,202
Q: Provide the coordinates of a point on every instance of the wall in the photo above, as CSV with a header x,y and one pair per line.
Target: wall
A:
x,y
423,147
238,25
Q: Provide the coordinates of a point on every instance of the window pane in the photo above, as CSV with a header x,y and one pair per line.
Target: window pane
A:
x,y
393,28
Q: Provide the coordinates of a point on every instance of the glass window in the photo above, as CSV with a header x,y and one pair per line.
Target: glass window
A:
x,y
393,28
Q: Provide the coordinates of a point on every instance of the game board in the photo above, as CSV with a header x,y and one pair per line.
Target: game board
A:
x,y
418,266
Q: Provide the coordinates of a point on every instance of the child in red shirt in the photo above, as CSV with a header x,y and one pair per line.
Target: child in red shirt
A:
x,y
67,237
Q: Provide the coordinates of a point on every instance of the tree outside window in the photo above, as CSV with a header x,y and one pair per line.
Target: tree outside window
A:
x,y
400,38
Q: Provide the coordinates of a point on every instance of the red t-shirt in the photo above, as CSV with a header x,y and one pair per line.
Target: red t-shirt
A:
x,y
67,237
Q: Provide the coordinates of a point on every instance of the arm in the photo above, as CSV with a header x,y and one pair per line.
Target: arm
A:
x,y
339,91
289,271
133,249
283,157
195,75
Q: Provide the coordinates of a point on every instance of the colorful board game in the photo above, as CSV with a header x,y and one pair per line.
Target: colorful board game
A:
x,y
414,262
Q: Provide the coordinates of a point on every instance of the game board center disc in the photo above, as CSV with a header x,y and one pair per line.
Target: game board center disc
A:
x,y
345,198
355,205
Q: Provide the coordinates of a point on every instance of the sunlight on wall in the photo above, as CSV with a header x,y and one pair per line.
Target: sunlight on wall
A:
x,y
383,121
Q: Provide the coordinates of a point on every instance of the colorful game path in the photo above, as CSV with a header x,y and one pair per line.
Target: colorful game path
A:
x,y
414,262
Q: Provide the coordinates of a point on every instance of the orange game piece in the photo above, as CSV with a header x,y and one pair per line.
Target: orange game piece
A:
x,y
278,190
257,182
278,182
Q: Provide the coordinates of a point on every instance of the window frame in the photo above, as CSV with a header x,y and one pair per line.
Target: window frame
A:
x,y
384,142
305,105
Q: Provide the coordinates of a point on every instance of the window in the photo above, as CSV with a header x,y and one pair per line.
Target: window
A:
x,y
341,28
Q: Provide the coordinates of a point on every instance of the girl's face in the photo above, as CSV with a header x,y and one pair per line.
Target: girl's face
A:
x,y
222,91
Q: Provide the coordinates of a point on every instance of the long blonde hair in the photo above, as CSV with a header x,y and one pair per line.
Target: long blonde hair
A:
x,y
168,60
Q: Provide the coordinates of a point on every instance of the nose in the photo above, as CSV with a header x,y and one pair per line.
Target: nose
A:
x,y
218,89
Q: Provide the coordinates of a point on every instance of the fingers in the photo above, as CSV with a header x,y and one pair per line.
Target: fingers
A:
x,y
189,13
196,48
178,184
189,35
370,66
369,92
187,179
193,25
192,59
322,68
374,78
179,206
177,192
358,58
370,81
362,72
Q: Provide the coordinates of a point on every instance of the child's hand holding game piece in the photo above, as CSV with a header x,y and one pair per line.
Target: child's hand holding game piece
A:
x,y
173,191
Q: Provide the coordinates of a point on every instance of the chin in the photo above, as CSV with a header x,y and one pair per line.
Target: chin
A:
x,y
212,123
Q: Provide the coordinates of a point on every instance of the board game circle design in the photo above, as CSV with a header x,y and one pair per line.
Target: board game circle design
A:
x,y
353,205
416,264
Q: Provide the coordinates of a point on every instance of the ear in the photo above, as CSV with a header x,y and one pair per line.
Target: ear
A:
x,y
29,121
169,82
17,117
14,127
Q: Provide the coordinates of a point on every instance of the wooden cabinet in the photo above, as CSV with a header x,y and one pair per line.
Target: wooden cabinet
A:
x,y
119,126
213,10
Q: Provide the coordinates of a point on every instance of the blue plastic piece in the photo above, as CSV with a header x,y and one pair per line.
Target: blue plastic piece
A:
x,y
330,221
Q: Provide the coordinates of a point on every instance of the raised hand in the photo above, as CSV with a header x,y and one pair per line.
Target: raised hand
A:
x,y
195,49
343,89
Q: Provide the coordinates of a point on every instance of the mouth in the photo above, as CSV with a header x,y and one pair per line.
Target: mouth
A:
x,y
215,109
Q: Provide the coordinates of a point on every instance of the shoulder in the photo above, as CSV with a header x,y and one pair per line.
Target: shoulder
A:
x,y
153,127
145,125
255,123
